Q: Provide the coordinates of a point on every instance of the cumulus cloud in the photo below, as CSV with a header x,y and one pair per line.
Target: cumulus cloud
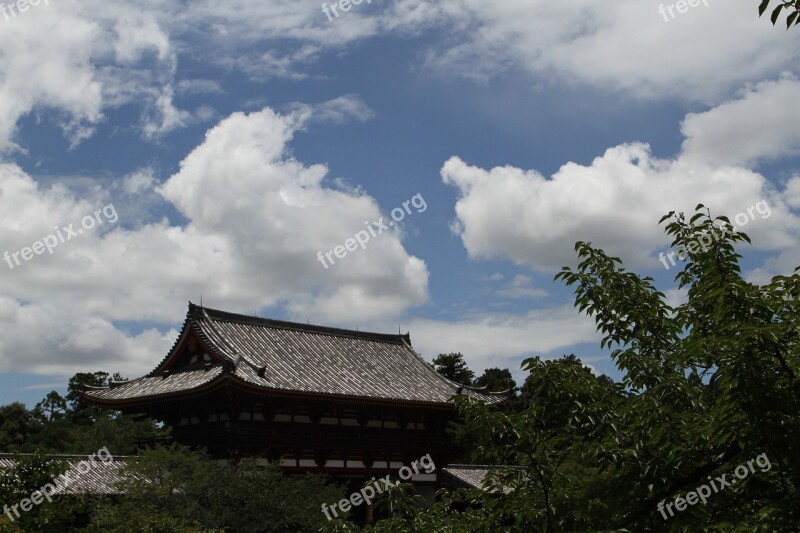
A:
x,y
504,340
760,125
55,71
616,201
81,58
256,219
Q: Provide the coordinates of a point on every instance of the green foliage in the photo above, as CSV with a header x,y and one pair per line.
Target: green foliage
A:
x,y
171,486
400,501
453,367
69,425
119,433
81,411
52,407
16,425
706,386
791,7
30,474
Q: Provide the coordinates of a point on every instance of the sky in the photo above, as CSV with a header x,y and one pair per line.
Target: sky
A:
x,y
399,165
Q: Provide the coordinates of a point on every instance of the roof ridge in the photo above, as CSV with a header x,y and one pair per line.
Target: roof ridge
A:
x,y
61,456
430,367
458,466
458,386
483,389
219,315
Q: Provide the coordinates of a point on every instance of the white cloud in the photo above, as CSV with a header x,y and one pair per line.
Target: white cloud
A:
x,y
104,54
760,125
616,201
521,287
625,45
500,340
792,194
137,33
80,58
47,62
199,86
343,109
163,117
41,386
257,219
139,181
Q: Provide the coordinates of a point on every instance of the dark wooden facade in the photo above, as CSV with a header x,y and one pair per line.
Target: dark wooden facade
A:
x,y
312,398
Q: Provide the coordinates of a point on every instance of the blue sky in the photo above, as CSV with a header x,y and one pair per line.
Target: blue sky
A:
x,y
229,143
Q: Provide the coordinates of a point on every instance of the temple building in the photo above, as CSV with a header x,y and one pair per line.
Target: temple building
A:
x,y
311,398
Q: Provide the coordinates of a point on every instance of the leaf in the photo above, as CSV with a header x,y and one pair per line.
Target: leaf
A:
x,y
791,18
763,7
776,13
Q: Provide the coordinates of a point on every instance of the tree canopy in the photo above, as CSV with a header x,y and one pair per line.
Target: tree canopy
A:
x,y
709,394
452,366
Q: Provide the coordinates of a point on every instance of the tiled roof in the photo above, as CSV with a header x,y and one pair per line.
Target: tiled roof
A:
x,y
470,476
278,356
84,476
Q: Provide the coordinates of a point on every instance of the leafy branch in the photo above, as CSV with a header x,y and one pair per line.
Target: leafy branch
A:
x,y
792,7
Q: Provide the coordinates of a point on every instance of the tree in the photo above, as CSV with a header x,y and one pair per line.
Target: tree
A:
x,y
528,392
53,406
792,8
80,410
497,380
710,389
16,424
453,367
